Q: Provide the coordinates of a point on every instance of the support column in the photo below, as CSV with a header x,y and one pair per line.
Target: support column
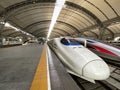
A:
x,y
2,24
101,33
112,34
80,34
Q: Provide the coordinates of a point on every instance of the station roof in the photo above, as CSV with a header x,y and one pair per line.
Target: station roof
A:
x,y
83,18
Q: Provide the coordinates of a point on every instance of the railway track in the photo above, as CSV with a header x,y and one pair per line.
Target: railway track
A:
x,y
112,83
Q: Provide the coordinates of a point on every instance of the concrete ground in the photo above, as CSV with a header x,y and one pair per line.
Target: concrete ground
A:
x,y
18,65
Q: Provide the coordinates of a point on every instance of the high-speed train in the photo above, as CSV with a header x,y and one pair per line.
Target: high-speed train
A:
x,y
105,51
78,60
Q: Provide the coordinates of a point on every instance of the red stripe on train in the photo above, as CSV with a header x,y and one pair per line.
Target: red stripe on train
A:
x,y
102,50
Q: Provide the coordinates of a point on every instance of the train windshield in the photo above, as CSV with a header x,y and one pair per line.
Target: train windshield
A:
x,y
69,42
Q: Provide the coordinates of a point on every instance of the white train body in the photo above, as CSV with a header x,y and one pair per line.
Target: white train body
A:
x,y
80,61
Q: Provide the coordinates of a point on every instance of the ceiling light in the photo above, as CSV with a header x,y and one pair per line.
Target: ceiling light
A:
x,y
9,25
58,7
17,29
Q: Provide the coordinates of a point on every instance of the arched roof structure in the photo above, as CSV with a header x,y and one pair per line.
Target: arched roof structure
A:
x,y
78,17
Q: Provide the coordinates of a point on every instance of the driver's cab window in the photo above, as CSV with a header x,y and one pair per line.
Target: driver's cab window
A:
x,y
64,41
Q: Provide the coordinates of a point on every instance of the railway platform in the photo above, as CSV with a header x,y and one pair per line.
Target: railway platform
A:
x,y
26,68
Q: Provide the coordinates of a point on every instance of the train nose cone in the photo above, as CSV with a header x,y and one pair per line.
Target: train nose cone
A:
x,y
96,69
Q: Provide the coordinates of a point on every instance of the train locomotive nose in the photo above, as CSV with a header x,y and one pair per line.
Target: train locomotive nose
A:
x,y
96,69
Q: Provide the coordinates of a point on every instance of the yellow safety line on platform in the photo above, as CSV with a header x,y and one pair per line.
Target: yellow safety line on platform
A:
x,y
40,78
